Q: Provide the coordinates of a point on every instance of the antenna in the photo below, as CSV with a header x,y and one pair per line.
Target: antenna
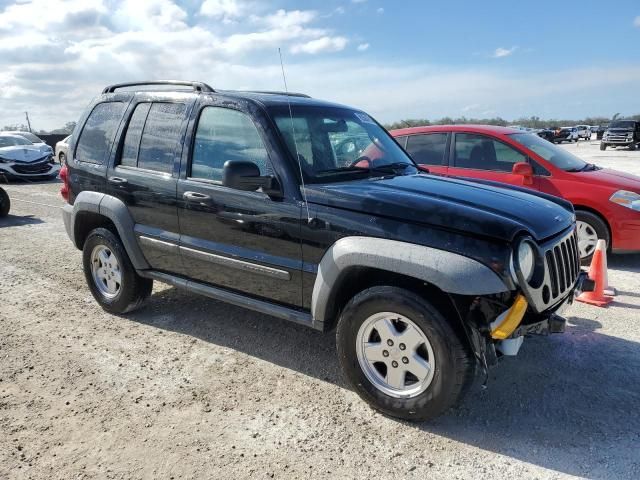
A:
x,y
295,142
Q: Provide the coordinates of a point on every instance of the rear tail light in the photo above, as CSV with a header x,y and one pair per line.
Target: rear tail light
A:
x,y
64,176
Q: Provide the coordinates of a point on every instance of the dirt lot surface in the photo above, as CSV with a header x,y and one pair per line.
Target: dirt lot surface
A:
x,y
191,388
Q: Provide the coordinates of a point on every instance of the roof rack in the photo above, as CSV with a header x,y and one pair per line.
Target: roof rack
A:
x,y
274,92
197,86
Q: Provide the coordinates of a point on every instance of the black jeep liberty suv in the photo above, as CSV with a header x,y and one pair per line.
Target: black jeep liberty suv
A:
x,y
309,211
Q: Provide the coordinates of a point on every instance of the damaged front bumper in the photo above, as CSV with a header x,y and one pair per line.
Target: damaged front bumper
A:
x,y
509,324
498,326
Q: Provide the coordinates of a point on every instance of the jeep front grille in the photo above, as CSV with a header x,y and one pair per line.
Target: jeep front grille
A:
x,y
563,265
561,260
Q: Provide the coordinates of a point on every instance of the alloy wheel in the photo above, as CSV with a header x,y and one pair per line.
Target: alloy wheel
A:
x,y
105,271
395,355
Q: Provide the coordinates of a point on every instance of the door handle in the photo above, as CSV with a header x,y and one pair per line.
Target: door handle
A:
x,y
196,197
117,180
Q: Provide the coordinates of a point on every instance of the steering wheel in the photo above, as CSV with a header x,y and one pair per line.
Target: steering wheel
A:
x,y
358,162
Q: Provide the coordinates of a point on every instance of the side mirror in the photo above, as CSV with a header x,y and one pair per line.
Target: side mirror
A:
x,y
241,175
524,170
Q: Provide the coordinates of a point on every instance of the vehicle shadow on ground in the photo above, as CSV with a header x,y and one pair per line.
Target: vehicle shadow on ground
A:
x,y
629,262
24,181
18,221
568,402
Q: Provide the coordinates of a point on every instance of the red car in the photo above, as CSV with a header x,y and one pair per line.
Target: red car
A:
x,y
607,202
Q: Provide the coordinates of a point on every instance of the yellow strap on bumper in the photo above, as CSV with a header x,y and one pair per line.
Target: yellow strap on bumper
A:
x,y
511,319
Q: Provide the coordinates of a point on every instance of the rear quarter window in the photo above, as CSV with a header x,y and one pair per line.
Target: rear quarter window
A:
x,y
96,139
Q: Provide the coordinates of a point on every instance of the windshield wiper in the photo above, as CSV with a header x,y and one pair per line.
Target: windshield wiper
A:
x,y
588,167
388,168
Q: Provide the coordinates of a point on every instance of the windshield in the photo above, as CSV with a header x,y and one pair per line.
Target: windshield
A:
x,y
29,136
550,152
6,141
335,143
622,124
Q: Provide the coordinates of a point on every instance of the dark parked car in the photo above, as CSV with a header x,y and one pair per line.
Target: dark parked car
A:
x,y
621,133
546,133
565,134
241,197
5,203
600,131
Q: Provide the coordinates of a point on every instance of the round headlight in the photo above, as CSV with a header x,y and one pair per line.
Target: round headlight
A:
x,y
526,260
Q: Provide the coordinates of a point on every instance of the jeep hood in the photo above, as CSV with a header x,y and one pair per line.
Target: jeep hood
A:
x,y
452,204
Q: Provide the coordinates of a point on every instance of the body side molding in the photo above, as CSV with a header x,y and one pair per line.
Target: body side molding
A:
x,y
451,272
225,261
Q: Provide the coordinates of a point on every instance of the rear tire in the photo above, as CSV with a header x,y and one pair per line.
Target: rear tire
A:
x,y
110,275
603,146
382,379
5,203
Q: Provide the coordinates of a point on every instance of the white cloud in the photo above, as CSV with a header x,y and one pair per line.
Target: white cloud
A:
x,y
287,19
221,8
358,1
150,15
503,52
363,46
323,44
636,22
380,11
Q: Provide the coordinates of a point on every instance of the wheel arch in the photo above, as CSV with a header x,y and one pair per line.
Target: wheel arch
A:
x,y
579,206
355,263
92,210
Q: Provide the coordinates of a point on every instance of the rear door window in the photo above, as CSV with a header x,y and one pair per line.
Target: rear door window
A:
x,y
483,153
428,148
161,137
134,134
96,139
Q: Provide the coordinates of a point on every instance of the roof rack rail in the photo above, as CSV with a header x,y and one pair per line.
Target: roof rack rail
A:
x,y
197,86
275,92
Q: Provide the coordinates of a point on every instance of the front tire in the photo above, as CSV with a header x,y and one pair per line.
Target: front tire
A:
x,y
5,203
401,355
110,275
591,228
62,158
603,146
632,146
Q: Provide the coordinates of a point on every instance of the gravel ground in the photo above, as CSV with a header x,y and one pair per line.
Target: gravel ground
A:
x,y
191,388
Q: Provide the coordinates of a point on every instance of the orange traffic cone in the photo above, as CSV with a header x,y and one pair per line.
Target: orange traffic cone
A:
x,y
608,289
597,273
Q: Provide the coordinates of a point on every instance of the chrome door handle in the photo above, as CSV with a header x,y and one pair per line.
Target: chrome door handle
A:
x,y
196,197
117,180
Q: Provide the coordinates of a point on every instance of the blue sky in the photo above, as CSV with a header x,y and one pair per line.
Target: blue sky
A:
x,y
394,59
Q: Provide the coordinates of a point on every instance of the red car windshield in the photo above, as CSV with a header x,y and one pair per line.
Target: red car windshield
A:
x,y
550,152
